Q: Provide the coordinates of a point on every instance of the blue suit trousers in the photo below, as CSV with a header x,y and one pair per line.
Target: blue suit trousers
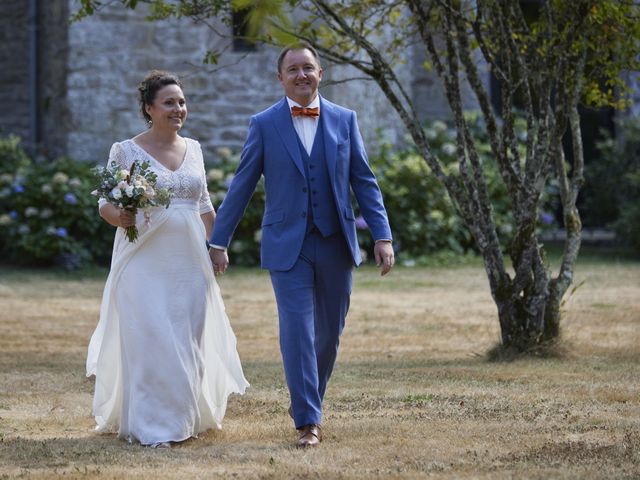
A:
x,y
313,300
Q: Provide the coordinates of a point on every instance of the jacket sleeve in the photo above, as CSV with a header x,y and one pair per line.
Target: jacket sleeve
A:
x,y
242,187
365,187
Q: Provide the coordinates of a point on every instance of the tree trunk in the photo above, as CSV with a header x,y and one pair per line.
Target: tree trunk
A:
x,y
528,304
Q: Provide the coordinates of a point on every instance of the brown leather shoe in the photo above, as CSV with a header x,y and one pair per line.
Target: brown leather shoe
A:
x,y
310,436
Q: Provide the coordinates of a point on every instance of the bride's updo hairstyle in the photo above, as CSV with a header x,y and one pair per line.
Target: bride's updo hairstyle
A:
x,y
154,81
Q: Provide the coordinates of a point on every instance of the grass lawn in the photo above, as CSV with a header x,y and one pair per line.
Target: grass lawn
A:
x,y
412,395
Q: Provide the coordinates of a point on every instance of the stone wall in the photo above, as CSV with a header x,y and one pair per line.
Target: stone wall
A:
x,y
111,52
14,68
89,72
53,51
428,93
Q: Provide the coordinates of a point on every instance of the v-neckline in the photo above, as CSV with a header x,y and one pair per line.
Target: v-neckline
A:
x,y
184,158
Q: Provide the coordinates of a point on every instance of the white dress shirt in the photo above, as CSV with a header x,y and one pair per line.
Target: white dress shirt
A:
x,y
305,127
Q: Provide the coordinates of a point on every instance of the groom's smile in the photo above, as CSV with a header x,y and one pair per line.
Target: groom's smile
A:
x,y
300,75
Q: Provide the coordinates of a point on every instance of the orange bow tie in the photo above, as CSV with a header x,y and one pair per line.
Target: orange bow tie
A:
x,y
305,112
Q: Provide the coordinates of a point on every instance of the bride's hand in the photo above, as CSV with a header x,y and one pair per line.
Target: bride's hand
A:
x,y
116,216
127,219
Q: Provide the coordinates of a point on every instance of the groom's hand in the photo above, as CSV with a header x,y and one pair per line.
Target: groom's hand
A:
x,y
219,260
383,253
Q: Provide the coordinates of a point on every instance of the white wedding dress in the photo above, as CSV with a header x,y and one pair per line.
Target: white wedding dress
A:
x,y
163,353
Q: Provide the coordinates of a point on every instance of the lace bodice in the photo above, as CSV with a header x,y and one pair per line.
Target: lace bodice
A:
x,y
188,182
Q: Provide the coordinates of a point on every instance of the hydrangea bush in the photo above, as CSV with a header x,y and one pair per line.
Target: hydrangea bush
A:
x,y
245,247
423,218
613,183
47,215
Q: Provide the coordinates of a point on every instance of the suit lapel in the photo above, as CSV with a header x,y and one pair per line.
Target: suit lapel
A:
x,y
330,118
284,126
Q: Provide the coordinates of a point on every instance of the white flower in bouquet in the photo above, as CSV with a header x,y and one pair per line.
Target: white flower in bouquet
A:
x,y
131,189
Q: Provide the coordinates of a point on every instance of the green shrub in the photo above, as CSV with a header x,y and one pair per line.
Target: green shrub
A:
x,y
627,226
13,159
618,173
423,218
611,195
245,247
47,214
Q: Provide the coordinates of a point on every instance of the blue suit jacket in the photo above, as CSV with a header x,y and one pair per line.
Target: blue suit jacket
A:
x,y
272,150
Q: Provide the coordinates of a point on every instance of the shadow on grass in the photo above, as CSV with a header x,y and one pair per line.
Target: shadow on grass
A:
x,y
91,454
13,273
555,349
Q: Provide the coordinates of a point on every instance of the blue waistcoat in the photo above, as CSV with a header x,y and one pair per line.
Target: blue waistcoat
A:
x,y
321,209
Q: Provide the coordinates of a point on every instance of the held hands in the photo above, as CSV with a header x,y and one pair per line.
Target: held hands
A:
x,y
219,260
383,252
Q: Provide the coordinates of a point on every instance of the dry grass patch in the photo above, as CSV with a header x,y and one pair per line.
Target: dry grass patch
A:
x,y
412,396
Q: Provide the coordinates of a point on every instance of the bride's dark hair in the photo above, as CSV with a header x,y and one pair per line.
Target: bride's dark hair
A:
x,y
154,81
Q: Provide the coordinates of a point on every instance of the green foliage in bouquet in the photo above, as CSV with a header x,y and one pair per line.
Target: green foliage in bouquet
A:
x,y
47,215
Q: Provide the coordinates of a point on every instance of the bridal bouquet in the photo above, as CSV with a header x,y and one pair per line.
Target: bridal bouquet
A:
x,y
131,189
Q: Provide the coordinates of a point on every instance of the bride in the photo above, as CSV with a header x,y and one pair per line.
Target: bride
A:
x,y
163,354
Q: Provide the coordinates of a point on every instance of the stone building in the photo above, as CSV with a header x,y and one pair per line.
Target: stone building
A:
x,y
70,88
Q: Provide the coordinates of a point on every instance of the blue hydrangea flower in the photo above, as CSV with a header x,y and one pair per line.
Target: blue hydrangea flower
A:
x,y
18,188
70,198
361,224
13,214
546,218
61,232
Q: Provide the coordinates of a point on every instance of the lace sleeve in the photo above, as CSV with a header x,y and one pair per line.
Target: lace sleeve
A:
x,y
116,154
205,199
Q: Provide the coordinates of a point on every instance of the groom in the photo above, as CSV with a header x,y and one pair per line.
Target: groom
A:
x,y
311,155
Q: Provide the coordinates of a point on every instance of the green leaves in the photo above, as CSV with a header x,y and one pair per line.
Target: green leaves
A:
x,y
211,57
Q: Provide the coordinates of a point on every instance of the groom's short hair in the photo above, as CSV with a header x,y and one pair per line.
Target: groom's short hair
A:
x,y
301,45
